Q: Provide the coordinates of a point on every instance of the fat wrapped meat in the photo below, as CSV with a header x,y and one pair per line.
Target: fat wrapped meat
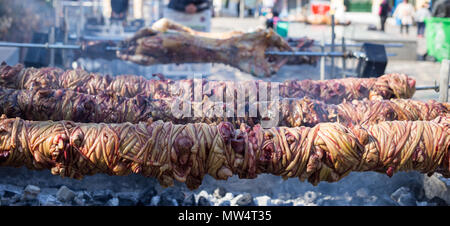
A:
x,y
186,153
64,104
330,91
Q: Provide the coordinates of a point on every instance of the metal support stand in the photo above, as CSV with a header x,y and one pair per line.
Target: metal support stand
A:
x,y
160,9
443,81
333,37
51,40
79,28
322,60
241,9
344,66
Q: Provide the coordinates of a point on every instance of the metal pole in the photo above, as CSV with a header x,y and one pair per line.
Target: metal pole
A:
x,y
443,81
66,28
56,6
296,53
344,66
322,60
299,6
387,45
241,9
57,11
333,36
435,87
160,9
79,26
36,45
51,40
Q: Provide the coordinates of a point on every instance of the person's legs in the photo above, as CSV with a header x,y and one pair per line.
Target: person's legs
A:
x,y
383,22
421,28
269,23
418,28
401,28
407,28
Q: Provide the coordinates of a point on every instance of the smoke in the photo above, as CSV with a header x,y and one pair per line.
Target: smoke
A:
x,y
19,19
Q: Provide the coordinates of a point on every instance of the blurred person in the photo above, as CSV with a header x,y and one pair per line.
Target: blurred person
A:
x,y
251,6
238,8
119,9
340,14
267,6
189,6
404,12
385,8
259,9
420,17
272,20
195,14
278,6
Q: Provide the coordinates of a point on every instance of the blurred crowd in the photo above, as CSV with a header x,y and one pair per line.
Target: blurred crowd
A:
x,y
405,14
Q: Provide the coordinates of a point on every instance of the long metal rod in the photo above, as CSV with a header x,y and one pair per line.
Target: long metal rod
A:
x,y
387,45
100,38
322,61
435,87
37,45
304,53
79,28
333,37
278,53
51,40
344,65
443,80
93,38
113,48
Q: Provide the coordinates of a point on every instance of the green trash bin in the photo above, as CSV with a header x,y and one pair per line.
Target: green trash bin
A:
x,y
437,32
282,28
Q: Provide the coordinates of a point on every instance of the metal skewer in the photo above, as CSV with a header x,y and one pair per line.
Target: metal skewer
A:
x,y
387,45
320,54
113,48
435,87
36,45
50,46
116,48
303,53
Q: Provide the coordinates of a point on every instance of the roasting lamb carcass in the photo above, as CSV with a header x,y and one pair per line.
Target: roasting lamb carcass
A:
x,y
167,42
